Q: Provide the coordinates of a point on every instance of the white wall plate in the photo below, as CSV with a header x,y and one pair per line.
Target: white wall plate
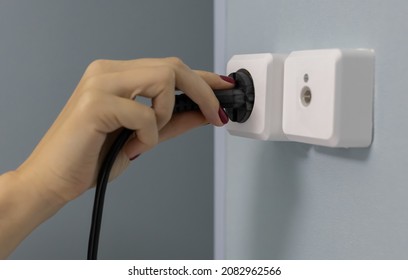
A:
x,y
328,97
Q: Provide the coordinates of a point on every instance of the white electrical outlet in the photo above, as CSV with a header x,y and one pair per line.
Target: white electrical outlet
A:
x,y
265,121
328,97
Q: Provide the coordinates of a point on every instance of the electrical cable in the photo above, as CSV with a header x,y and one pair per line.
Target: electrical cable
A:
x,y
238,103
101,184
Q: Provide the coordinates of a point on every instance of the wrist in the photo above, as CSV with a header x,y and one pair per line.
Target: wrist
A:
x,y
23,207
37,188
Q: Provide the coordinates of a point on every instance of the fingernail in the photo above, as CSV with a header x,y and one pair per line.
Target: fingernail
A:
x,y
228,79
135,157
223,116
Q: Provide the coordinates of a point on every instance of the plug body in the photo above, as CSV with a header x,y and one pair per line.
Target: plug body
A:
x,y
237,102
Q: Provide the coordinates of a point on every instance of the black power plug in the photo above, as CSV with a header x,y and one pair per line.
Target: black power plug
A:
x,y
237,102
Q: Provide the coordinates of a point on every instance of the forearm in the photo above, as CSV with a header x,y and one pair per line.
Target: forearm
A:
x,y
23,206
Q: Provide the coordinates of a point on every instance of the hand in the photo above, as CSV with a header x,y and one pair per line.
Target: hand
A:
x,y
66,161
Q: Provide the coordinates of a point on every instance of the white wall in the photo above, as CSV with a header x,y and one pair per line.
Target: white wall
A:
x,y
298,201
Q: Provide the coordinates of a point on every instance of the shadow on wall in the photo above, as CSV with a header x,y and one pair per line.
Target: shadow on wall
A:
x,y
360,154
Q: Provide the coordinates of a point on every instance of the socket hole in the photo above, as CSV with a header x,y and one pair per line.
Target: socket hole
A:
x,y
306,96
306,78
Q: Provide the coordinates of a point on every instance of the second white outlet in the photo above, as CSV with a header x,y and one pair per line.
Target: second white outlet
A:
x,y
328,97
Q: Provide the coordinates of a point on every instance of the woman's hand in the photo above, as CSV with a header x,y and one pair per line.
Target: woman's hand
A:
x,y
66,161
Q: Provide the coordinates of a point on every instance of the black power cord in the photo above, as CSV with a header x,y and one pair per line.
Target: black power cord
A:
x,y
238,104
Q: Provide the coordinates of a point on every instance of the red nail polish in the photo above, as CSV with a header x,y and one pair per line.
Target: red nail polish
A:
x,y
135,157
228,79
223,116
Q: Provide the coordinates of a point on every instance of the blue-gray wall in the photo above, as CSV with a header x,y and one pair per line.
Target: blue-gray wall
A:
x,y
298,201
151,212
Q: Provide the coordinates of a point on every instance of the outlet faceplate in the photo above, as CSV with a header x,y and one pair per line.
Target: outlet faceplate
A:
x,y
265,121
328,97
